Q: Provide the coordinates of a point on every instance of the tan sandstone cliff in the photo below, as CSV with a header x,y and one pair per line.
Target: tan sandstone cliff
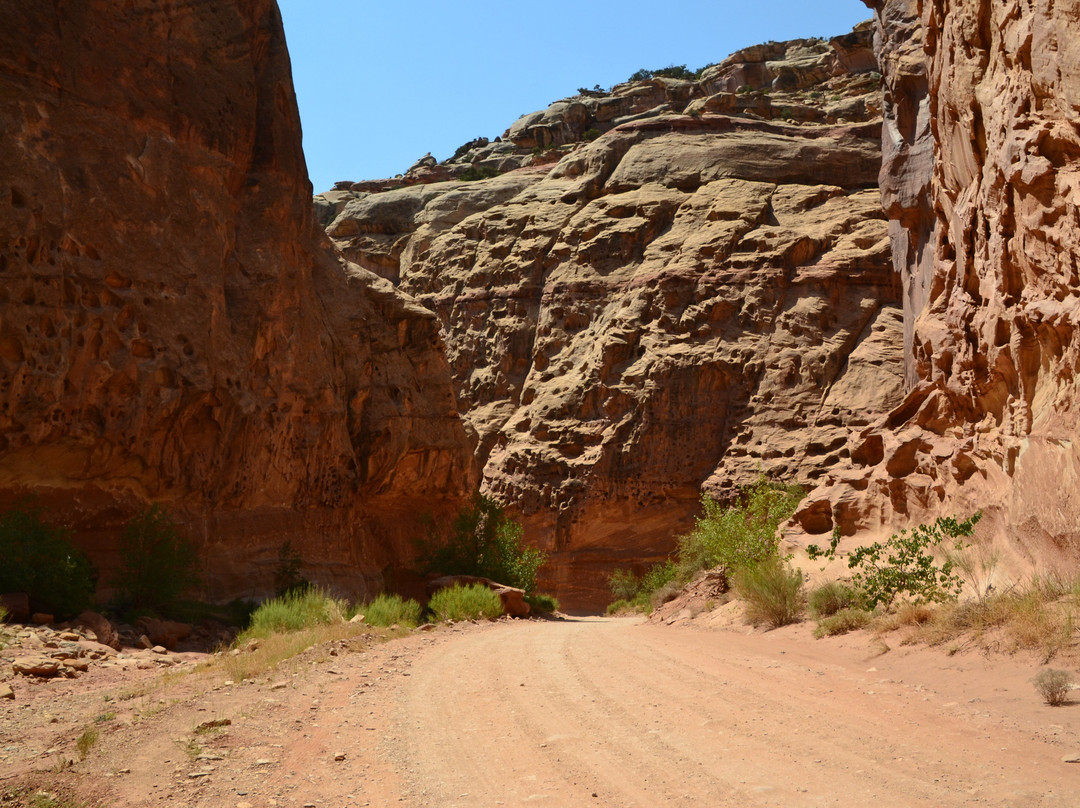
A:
x,y
173,325
701,294
981,180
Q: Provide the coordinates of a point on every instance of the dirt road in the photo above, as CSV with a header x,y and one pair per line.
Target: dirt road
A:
x,y
598,712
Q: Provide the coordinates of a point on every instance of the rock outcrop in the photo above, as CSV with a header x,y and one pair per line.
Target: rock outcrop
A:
x,y
173,325
698,295
980,181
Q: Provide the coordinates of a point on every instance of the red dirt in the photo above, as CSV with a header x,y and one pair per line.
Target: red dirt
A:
x,y
590,711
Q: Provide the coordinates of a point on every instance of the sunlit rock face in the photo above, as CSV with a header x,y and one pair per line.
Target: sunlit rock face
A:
x,y
701,294
174,328
980,182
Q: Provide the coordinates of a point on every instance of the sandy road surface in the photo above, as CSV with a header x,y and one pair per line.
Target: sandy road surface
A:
x,y
606,712
577,712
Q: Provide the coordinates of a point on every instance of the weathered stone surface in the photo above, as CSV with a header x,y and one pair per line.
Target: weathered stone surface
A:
x,y
166,633
680,305
36,666
104,631
173,326
980,181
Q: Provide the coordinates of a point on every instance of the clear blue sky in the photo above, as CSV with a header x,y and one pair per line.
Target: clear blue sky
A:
x,y
381,83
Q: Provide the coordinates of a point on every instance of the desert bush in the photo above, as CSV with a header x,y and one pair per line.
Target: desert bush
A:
x,y
830,598
543,604
287,575
772,592
39,559
740,535
294,612
473,602
670,72
3,614
590,134
655,586
388,610
473,173
624,585
482,541
905,564
1053,685
85,742
843,621
157,564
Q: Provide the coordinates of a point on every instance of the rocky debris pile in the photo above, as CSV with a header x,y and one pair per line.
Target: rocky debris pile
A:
x,y
678,305
91,641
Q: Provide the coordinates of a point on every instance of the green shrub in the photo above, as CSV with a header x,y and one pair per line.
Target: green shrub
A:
x,y
740,535
843,621
3,614
905,564
157,564
473,173
640,594
473,602
670,72
772,591
542,604
293,612
287,576
624,585
482,541
39,559
830,598
1053,685
387,610
590,134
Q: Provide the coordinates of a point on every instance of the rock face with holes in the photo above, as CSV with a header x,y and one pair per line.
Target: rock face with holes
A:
x,y
173,325
981,181
677,306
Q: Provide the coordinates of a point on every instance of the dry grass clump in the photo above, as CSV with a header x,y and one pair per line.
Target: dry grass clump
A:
x,y
830,598
1053,685
1040,616
772,592
842,622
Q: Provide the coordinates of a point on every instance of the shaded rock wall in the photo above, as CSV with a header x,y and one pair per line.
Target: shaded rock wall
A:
x,y
683,304
980,176
173,325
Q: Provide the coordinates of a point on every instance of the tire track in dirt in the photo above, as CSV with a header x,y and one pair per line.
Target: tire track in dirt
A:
x,y
555,712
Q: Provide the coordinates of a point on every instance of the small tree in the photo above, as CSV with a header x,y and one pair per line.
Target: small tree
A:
x,y
39,559
157,564
905,564
482,541
288,577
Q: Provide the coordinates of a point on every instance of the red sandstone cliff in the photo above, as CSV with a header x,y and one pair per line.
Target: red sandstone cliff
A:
x,y
701,294
173,325
981,180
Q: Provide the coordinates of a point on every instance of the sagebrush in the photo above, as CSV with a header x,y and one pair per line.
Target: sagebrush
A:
x,y
1053,685
389,610
473,602
772,592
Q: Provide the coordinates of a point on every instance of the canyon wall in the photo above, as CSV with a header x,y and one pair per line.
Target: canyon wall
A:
x,y
981,181
175,328
697,293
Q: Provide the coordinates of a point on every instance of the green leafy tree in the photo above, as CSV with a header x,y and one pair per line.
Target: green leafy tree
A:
x,y
738,535
157,566
39,559
905,564
483,541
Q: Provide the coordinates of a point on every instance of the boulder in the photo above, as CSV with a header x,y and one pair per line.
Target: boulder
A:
x,y
36,666
104,631
165,633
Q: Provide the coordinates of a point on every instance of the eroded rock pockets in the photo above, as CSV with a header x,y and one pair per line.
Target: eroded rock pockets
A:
x,y
979,181
173,325
682,304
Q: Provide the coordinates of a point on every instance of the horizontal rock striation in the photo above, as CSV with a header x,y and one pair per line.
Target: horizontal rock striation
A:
x,y
982,156
173,325
679,305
